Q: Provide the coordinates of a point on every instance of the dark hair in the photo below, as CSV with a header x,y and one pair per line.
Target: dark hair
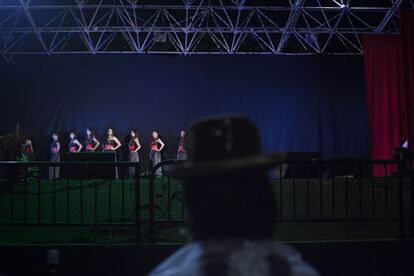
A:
x,y
152,137
136,134
240,205
113,132
92,132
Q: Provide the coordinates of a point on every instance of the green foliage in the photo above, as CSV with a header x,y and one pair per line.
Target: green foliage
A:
x,y
9,145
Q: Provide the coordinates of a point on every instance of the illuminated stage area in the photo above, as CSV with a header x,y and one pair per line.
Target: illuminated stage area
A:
x,y
234,133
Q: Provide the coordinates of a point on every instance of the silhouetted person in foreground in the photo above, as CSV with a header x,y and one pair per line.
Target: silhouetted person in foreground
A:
x,y
231,206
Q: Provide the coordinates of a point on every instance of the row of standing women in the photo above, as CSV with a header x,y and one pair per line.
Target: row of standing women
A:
x,y
112,143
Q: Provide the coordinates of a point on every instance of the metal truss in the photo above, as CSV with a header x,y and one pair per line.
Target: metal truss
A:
x,y
187,27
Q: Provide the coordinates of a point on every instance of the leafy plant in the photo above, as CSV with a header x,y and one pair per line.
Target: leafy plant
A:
x,y
9,145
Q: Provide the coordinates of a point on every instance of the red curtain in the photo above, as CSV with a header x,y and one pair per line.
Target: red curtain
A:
x,y
382,60
389,77
407,54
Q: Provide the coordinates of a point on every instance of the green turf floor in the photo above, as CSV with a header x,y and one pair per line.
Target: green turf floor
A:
x,y
87,201
111,205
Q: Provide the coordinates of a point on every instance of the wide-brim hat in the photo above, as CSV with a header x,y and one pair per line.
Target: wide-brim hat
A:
x,y
222,145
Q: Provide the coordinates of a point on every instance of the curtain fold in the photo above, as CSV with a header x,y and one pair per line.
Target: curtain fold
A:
x,y
407,78
389,81
382,69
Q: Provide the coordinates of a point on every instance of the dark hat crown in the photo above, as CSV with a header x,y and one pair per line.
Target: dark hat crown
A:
x,y
223,138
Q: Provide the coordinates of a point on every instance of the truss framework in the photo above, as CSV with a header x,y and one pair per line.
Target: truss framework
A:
x,y
189,27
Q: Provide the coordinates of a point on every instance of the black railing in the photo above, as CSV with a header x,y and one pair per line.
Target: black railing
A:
x,y
324,191
89,195
151,192
357,190
85,197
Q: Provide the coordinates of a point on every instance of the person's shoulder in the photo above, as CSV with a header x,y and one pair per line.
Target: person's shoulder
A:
x,y
280,247
242,257
297,265
253,256
182,262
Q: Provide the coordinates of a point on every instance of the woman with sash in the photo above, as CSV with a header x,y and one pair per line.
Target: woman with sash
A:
x,y
111,145
54,157
74,145
133,148
156,146
91,143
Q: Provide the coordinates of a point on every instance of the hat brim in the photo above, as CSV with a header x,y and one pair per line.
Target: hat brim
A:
x,y
187,169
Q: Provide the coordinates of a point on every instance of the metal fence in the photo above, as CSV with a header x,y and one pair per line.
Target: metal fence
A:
x,y
323,191
102,194
32,197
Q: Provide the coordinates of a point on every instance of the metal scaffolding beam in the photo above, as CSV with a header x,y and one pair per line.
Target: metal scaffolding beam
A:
x,y
390,13
25,7
187,27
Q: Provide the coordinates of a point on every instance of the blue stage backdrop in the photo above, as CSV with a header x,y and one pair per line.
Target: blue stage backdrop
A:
x,y
307,103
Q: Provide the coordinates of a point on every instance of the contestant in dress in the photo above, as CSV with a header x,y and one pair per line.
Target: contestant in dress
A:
x,y
181,152
54,156
111,145
156,147
74,145
91,143
27,149
133,148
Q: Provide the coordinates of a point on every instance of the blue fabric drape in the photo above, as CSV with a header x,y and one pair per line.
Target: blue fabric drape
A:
x,y
312,103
